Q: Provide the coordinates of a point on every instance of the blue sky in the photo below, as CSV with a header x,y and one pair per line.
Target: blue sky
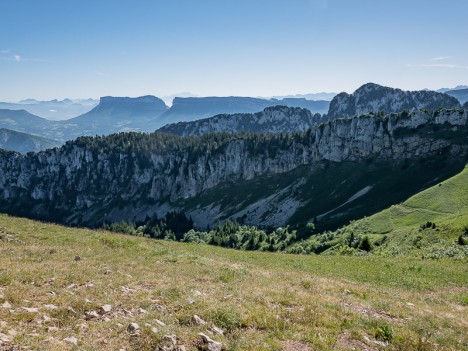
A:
x,y
57,49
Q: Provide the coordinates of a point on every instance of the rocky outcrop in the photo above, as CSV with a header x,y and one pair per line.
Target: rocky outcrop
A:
x,y
270,120
84,181
375,98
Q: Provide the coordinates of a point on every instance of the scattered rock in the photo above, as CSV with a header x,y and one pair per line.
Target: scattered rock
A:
x,y
30,309
105,309
198,320
215,330
346,292
5,339
107,272
133,327
91,315
154,330
211,345
52,329
180,348
46,318
171,338
72,286
50,307
142,310
190,301
126,290
71,340
7,305
77,258
196,293
168,343
71,310
157,321
410,304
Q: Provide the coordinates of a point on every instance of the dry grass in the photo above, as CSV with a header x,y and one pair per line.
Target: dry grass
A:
x,y
261,301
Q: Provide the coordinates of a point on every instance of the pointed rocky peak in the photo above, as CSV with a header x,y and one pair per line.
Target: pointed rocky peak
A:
x,y
372,97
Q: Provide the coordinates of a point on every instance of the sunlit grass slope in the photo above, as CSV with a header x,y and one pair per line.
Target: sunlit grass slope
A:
x,y
261,301
406,229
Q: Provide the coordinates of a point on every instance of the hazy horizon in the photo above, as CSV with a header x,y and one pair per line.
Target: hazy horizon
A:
x,y
56,50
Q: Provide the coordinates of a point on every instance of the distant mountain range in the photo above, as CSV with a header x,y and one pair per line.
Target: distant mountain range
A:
x,y
458,87
148,113
143,114
193,108
54,110
23,142
460,94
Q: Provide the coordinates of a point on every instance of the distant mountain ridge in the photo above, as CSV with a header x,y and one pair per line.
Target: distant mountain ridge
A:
x,y
23,142
53,110
460,94
117,114
193,108
374,98
271,120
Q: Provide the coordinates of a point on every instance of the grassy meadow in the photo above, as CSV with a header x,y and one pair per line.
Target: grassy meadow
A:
x,y
54,282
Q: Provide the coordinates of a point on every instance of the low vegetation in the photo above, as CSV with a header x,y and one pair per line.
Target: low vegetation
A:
x,y
56,283
405,229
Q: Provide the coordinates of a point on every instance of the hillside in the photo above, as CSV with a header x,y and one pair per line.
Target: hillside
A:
x,y
23,142
62,286
275,119
430,224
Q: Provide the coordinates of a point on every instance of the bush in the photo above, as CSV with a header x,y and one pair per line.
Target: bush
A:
x,y
365,244
384,333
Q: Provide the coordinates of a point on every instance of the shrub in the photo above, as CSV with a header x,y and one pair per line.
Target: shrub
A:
x,y
384,333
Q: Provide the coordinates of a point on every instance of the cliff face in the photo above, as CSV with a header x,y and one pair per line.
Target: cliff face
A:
x,y
78,182
270,120
374,98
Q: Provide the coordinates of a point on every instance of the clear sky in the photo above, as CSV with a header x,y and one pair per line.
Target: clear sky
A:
x,y
60,48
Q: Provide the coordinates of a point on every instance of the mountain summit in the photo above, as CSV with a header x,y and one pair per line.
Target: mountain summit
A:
x,y
372,97
116,114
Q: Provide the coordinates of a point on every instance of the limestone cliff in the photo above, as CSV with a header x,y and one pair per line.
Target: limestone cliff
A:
x,y
89,180
374,98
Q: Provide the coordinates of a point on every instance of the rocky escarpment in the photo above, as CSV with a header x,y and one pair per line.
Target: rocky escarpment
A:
x,y
87,180
375,98
270,120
